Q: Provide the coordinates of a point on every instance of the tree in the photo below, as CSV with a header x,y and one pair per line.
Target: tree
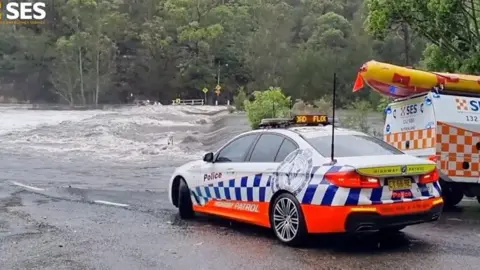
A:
x,y
239,99
452,28
64,77
270,103
102,51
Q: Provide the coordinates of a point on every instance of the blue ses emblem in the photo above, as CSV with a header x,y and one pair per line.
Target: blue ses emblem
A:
x,y
428,101
388,110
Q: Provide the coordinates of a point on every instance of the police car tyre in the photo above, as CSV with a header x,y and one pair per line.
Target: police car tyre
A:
x,y
287,220
185,206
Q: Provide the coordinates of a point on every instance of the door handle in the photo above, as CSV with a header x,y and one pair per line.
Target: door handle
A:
x,y
270,170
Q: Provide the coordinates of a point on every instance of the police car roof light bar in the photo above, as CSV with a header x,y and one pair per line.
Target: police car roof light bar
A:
x,y
333,118
275,123
297,120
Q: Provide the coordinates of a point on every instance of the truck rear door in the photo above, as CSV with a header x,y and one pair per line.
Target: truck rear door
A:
x,y
458,136
408,126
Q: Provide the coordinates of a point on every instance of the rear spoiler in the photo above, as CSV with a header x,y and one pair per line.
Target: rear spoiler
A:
x,y
385,171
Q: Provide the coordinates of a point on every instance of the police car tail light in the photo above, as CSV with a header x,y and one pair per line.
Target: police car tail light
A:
x,y
429,177
352,179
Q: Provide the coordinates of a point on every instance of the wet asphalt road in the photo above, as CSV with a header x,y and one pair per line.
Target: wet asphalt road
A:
x,y
64,228
62,222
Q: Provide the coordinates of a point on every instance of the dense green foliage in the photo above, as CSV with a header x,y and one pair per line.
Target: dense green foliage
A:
x,y
270,103
452,28
98,51
239,99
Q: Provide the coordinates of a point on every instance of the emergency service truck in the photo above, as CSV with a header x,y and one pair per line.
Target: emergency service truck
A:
x,y
443,127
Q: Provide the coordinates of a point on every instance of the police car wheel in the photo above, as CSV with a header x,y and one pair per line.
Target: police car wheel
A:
x,y
185,206
287,221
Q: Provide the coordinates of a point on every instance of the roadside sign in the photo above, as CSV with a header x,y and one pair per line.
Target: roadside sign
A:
x,y
205,90
177,101
218,88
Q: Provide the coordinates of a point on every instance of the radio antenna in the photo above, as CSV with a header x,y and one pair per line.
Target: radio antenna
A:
x,y
333,118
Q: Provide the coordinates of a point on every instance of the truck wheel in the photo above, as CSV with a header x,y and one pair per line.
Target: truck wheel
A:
x,y
478,199
451,194
185,206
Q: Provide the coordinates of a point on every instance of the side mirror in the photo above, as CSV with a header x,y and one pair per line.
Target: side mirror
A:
x,y
208,157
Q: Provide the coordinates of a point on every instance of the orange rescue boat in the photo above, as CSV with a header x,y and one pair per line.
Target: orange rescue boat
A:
x,y
396,81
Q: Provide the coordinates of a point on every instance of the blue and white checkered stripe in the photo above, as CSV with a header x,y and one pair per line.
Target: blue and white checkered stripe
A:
x,y
318,192
252,189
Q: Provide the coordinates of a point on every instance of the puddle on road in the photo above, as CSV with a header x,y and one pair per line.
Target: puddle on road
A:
x,y
465,213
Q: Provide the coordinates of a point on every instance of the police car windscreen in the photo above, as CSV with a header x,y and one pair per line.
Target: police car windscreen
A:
x,y
352,146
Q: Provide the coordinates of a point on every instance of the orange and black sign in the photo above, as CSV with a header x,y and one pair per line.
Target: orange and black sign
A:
x,y
311,119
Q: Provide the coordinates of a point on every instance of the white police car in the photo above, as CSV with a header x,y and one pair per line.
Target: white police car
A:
x,y
282,176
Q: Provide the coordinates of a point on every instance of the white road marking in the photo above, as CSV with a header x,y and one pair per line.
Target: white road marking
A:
x,y
27,187
111,203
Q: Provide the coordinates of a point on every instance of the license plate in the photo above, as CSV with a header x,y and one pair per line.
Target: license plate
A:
x,y
399,183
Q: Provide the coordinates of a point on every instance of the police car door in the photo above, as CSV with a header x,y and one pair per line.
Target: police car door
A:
x,y
267,154
226,164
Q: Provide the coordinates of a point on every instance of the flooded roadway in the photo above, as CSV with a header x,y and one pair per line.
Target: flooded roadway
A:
x,y
68,210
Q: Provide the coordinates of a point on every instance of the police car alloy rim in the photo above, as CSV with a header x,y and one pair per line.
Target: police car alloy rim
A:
x,y
285,219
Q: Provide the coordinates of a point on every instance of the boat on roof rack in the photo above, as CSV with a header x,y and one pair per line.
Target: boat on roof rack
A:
x,y
400,82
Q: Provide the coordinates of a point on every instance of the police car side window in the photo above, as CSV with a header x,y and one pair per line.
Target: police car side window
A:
x,y
266,148
236,150
286,148
353,146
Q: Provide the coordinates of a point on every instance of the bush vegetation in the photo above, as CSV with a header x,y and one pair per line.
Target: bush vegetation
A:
x,y
267,104
274,103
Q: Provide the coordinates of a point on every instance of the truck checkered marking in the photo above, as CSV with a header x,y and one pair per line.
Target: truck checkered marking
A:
x,y
455,146
418,139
